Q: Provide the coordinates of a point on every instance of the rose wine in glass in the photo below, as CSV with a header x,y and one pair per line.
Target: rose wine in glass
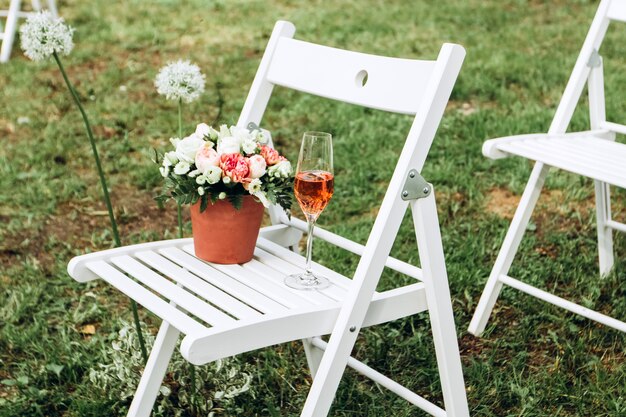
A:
x,y
313,187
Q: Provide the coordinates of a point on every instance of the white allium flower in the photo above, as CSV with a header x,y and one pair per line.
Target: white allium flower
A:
x,y
43,34
180,80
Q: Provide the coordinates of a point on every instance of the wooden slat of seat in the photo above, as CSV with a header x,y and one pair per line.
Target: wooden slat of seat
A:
x,y
586,155
172,291
205,290
144,297
333,292
299,297
205,271
298,260
247,335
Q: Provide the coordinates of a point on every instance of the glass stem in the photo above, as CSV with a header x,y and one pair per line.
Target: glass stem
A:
x,y
309,247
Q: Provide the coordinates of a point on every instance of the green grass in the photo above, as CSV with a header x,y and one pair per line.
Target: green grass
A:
x,y
534,359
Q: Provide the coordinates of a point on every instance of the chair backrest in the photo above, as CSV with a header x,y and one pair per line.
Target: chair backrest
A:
x,y
589,69
420,88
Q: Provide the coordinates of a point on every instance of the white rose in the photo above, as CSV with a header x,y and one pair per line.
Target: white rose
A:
x,y
227,145
170,159
203,129
181,168
257,166
281,169
241,133
249,146
200,179
213,174
254,186
224,131
188,147
261,138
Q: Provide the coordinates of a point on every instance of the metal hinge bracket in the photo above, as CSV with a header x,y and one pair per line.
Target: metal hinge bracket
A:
x,y
595,60
415,187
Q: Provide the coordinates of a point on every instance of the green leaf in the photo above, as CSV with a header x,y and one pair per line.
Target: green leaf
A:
x,y
204,202
23,380
53,367
8,382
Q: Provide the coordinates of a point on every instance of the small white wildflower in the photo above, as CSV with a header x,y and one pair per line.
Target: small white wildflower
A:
x,y
23,120
221,195
201,190
213,174
180,80
43,34
181,168
254,186
123,88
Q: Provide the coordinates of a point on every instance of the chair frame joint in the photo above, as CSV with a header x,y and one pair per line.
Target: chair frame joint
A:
x,y
595,60
415,187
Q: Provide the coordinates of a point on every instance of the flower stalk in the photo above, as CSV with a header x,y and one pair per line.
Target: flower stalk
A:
x,y
179,210
105,192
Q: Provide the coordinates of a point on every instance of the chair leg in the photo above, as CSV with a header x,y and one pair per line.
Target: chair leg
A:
x,y
439,305
9,31
313,355
509,248
605,234
153,375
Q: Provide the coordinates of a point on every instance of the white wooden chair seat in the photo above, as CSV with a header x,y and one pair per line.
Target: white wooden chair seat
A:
x,y
242,301
591,153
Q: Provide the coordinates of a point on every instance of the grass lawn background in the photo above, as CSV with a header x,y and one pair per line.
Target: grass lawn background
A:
x,y
534,359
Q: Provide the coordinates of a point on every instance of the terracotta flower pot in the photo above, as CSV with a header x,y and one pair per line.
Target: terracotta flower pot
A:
x,y
224,235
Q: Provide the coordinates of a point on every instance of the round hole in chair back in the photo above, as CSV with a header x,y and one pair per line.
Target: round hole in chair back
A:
x,y
361,78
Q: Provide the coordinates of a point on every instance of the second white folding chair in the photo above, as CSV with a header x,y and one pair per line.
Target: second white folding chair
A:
x,y
224,310
593,154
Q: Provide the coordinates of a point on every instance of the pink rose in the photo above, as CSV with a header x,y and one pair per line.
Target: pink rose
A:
x,y
235,166
257,166
271,155
206,157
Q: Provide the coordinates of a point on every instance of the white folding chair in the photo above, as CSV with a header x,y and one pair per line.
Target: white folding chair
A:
x,y
593,154
12,14
224,310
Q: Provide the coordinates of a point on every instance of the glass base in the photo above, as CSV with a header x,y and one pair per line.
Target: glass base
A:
x,y
304,281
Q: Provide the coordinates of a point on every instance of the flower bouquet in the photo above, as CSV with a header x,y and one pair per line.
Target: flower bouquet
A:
x,y
227,177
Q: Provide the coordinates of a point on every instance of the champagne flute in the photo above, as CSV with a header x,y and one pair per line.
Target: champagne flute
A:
x,y
313,187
